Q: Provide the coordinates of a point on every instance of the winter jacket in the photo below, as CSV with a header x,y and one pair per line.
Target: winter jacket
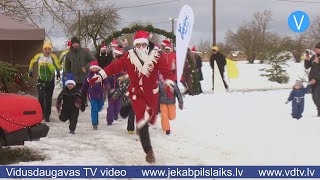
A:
x,y
46,66
199,66
220,59
62,57
96,91
115,90
76,59
171,61
69,99
105,59
297,95
124,90
164,99
315,69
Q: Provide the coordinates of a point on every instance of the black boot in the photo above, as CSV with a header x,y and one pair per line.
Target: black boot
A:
x,y
150,157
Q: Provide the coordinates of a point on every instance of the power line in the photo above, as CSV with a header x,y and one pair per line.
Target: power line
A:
x,y
137,22
150,4
299,1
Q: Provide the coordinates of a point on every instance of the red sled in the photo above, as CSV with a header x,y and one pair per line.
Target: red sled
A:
x,y
20,120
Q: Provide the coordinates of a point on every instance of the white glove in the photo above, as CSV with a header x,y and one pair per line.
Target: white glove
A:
x,y
170,83
98,77
102,75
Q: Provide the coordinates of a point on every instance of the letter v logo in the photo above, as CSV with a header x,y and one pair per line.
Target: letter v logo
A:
x,y
298,21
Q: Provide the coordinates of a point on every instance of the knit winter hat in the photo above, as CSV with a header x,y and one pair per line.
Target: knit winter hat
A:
x,y
298,84
215,48
94,64
75,40
70,79
47,44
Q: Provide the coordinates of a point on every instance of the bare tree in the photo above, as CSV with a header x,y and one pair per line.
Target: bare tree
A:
x,y
53,15
205,48
251,37
97,24
296,45
313,33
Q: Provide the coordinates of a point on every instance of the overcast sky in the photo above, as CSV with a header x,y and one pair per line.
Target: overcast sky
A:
x,y
230,14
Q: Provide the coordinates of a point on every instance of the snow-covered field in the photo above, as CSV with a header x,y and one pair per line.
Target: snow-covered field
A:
x,y
237,128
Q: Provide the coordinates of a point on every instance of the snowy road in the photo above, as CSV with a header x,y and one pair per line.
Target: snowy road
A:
x,y
214,129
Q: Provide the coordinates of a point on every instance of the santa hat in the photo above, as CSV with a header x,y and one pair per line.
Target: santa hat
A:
x,y
70,80
193,49
156,47
141,37
118,50
102,47
68,44
166,44
94,64
114,43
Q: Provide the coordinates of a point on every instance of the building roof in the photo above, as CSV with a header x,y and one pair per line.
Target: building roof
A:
x,y
11,29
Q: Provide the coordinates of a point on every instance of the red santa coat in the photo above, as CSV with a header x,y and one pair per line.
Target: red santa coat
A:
x,y
172,63
143,89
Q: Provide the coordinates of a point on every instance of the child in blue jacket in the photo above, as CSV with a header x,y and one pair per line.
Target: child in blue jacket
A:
x,y
297,98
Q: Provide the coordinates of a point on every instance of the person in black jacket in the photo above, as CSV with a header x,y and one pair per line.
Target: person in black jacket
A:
x,y
312,61
221,62
71,101
104,56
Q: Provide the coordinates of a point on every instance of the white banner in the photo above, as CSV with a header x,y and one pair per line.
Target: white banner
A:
x,y
218,81
183,36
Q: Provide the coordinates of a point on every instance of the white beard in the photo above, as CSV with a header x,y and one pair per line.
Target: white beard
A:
x,y
143,53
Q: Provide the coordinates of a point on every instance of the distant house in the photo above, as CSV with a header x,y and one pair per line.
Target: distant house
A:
x,y
19,42
239,56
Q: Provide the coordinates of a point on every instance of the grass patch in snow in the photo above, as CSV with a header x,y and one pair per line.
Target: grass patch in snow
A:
x,y
15,155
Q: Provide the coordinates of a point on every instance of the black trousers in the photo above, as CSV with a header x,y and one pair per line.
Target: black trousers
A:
x,y
71,115
222,76
45,91
130,126
316,96
145,138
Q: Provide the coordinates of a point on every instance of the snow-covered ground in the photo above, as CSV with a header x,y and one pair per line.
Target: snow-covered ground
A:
x,y
237,128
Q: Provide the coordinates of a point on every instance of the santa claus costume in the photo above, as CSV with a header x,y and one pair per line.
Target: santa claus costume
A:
x,y
170,57
142,65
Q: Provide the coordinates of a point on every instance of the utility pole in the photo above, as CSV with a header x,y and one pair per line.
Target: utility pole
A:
x,y
214,40
172,25
172,30
79,19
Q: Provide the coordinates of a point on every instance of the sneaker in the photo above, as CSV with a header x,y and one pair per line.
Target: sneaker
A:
x,y
116,118
150,157
72,132
130,132
95,127
168,132
109,123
